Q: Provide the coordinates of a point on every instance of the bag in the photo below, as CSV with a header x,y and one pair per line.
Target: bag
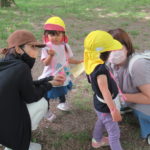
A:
x,y
136,56
117,101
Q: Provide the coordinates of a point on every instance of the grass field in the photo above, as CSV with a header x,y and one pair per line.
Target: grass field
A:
x,y
72,130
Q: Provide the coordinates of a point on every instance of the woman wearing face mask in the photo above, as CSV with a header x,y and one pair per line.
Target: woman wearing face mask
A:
x,y
135,84
21,102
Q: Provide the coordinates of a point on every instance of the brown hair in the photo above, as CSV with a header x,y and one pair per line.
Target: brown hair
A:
x,y
5,51
123,38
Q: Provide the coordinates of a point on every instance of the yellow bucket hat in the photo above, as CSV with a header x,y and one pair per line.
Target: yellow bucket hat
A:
x,y
54,23
95,43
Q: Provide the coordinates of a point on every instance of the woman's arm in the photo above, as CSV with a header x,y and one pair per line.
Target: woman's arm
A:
x,y
30,92
42,81
103,86
140,74
141,98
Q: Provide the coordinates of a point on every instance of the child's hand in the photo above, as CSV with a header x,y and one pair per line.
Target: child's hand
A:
x,y
116,115
51,52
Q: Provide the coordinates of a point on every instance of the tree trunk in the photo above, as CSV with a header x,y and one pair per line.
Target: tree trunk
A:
x,y
6,3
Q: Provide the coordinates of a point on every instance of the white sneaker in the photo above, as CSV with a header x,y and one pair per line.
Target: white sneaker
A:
x,y
35,146
6,148
50,116
148,139
104,142
63,106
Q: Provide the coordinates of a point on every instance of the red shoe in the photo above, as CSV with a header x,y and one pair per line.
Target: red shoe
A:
x,y
104,142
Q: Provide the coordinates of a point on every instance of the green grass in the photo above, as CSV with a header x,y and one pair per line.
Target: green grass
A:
x,y
31,14
136,47
81,137
134,33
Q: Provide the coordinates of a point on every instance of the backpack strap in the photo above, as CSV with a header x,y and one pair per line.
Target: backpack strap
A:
x,y
120,91
135,57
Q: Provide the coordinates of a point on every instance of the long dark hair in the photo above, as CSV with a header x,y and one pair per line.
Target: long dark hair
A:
x,y
104,56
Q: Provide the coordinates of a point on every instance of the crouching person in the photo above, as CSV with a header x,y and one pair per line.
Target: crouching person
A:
x,y
22,105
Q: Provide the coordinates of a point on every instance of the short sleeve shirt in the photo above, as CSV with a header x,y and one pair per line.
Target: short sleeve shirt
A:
x,y
129,83
58,61
102,70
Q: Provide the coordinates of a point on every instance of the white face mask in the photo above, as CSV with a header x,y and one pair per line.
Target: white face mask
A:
x,y
118,57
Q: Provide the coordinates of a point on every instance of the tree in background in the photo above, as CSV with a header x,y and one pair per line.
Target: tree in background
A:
x,y
7,3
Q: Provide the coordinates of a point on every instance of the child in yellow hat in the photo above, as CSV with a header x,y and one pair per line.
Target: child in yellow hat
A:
x,y
56,56
98,45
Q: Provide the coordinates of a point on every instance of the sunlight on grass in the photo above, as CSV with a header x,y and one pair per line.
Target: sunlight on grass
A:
x,y
34,11
134,33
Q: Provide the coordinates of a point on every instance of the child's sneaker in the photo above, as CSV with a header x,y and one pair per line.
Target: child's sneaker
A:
x,y
104,142
148,139
50,116
6,148
63,106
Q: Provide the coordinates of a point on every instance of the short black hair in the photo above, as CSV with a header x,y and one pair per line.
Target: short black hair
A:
x,y
104,56
53,32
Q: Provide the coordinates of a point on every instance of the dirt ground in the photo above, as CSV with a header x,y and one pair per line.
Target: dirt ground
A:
x,y
78,119
72,130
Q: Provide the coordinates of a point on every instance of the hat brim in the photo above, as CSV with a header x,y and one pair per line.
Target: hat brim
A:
x,y
53,27
116,45
37,44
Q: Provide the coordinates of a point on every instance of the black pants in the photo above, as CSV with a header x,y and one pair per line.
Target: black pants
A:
x,y
62,99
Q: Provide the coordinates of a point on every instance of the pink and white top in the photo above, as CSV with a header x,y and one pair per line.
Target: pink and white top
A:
x,y
59,62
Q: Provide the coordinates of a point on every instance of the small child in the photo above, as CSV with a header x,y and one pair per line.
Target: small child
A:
x,y
97,46
56,56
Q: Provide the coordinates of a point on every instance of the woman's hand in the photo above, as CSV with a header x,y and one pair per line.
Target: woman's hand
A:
x,y
116,115
51,52
58,80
